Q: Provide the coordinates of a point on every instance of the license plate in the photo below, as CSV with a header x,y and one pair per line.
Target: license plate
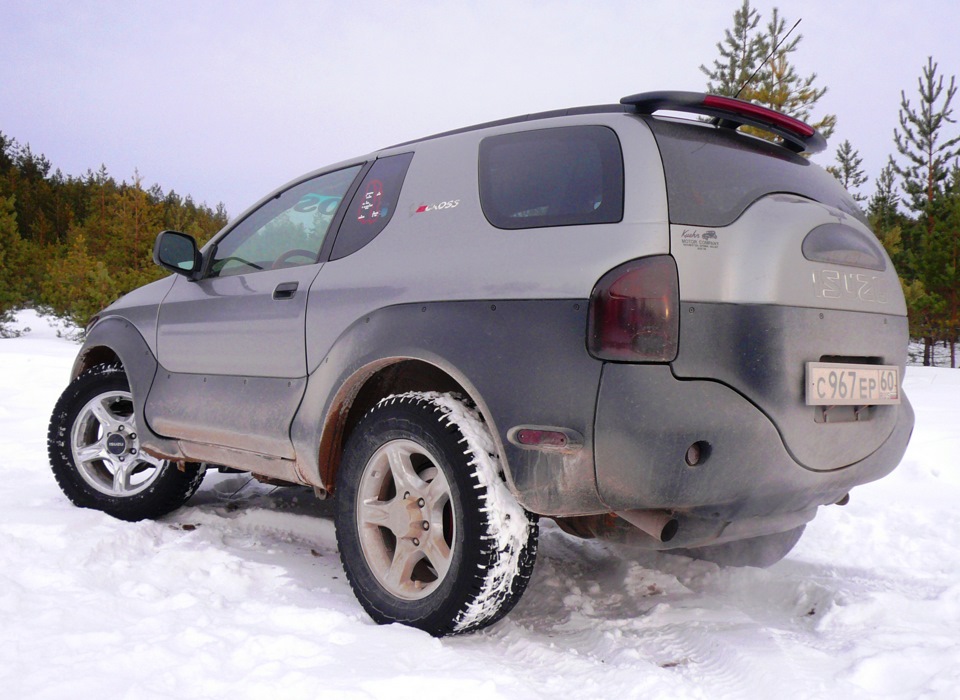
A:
x,y
831,384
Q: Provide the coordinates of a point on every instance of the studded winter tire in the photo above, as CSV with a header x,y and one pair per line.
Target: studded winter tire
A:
x,y
429,534
95,452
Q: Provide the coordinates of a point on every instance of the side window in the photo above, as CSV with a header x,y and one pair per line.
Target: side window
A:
x,y
372,205
286,231
552,177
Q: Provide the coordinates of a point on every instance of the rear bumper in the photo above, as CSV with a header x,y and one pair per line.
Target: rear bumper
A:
x,y
647,419
761,351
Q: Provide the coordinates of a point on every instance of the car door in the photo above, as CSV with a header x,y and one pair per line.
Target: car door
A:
x,y
231,345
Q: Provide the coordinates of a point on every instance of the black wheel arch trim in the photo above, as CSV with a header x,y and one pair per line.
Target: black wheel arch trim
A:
x,y
114,337
445,336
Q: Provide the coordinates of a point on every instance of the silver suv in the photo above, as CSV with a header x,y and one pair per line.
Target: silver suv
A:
x,y
649,328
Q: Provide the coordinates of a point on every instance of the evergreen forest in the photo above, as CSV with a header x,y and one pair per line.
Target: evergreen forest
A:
x,y
71,245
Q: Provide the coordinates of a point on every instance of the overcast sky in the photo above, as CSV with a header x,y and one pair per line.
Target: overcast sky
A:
x,y
227,100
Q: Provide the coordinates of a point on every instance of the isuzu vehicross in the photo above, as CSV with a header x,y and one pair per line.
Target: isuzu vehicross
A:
x,y
646,326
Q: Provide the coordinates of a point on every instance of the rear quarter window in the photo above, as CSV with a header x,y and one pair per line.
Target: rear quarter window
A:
x,y
563,176
373,205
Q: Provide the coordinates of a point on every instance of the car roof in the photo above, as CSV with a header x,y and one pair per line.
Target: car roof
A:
x,y
725,112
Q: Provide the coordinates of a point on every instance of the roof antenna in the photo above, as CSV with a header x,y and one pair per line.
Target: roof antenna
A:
x,y
769,56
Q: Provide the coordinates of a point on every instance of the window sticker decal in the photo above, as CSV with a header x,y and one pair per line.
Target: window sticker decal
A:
x,y
692,238
371,208
373,204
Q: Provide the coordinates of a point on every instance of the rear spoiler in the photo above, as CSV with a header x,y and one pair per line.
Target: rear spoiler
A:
x,y
731,113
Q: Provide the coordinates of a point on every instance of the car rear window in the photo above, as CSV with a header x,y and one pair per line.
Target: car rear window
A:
x,y
552,177
713,175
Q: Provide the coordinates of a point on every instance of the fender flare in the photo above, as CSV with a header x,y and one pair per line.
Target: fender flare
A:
x,y
116,338
485,351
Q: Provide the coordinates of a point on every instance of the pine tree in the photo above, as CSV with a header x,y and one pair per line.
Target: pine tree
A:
x,y
886,219
920,140
11,293
940,264
78,285
8,149
134,219
884,206
848,170
777,84
741,51
887,223
780,87
930,242
950,259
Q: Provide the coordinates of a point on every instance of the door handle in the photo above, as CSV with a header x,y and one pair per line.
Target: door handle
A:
x,y
285,290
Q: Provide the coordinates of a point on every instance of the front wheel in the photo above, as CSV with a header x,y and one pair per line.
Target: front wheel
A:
x,y
95,454
429,534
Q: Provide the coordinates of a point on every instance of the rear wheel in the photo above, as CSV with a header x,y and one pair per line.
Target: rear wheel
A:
x,y
429,534
95,453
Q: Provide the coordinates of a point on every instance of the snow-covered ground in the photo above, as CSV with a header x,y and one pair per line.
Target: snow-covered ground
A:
x,y
241,594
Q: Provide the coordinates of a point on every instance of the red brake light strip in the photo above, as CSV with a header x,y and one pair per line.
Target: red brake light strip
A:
x,y
732,113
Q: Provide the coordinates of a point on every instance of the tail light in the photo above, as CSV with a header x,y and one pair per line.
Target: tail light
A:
x,y
634,312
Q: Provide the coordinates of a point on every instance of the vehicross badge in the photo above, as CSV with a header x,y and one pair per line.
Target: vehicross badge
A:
x,y
437,206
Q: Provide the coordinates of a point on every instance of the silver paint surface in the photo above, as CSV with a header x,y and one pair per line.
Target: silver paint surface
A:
x,y
247,379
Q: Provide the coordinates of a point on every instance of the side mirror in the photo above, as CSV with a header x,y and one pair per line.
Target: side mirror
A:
x,y
178,253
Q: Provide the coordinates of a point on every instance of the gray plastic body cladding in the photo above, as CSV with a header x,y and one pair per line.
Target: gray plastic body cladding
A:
x,y
524,362
761,351
125,340
246,413
647,418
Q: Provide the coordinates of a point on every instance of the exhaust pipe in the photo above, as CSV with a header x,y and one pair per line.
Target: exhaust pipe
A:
x,y
659,524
